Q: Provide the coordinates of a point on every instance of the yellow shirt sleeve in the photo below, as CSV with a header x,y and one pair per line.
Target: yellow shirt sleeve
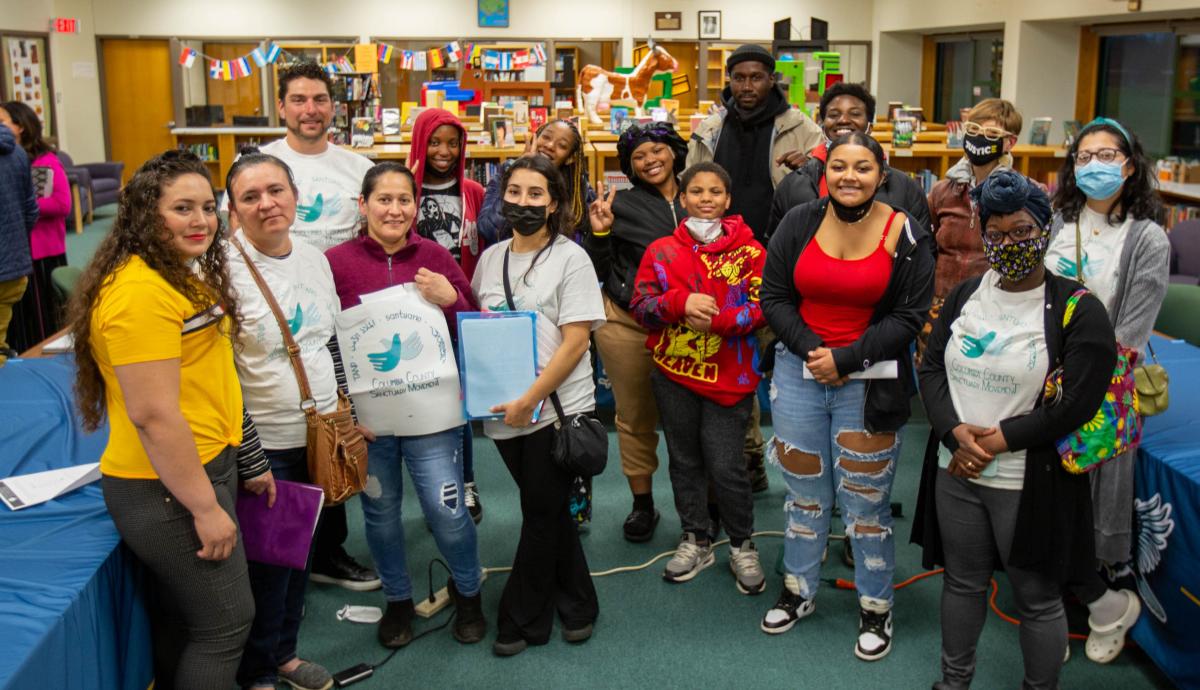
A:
x,y
142,323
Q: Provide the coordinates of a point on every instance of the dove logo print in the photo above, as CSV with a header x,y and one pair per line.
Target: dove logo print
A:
x,y
395,351
973,347
296,321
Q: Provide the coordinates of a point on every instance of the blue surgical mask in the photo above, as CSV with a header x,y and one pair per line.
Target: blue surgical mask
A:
x,y
1099,180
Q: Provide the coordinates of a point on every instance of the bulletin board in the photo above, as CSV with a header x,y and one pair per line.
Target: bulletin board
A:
x,y
26,75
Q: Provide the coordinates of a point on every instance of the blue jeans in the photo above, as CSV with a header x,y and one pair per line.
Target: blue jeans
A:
x,y
434,465
278,594
814,423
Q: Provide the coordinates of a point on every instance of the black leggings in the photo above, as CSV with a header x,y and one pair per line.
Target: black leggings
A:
x,y
550,570
200,611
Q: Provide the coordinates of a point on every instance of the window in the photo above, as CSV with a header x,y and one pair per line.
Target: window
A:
x,y
968,71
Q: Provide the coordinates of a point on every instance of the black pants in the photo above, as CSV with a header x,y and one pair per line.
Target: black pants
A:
x,y
200,611
705,445
331,533
550,570
278,595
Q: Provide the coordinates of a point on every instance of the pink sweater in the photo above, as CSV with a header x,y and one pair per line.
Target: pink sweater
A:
x,y
49,235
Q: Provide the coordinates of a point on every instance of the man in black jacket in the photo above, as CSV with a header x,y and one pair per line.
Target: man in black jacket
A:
x,y
844,109
18,213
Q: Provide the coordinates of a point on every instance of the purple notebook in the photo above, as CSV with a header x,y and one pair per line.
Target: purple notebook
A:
x,y
282,534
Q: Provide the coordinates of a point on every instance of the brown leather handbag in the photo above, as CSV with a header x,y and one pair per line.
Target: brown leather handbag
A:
x,y
337,451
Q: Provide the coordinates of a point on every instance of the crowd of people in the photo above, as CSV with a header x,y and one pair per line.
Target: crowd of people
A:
x,y
769,246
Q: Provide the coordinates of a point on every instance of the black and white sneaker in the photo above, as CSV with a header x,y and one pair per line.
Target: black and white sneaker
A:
x,y
471,499
789,608
874,635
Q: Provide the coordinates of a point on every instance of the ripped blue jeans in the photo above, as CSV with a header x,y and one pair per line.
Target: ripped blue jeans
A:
x,y
435,465
824,452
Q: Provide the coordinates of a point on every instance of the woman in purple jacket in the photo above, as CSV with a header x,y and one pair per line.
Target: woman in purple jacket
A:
x,y
387,253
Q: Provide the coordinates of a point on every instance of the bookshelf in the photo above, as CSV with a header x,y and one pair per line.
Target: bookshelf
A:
x,y
566,69
355,94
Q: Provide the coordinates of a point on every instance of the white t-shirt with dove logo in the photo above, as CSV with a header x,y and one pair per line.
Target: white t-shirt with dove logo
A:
x,y
1100,250
996,363
303,287
329,185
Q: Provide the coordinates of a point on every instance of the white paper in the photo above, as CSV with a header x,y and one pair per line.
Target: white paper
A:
x,y
63,343
27,490
399,361
886,369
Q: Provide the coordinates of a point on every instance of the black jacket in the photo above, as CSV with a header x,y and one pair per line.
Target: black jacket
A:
x,y
897,319
640,216
745,151
1053,534
802,185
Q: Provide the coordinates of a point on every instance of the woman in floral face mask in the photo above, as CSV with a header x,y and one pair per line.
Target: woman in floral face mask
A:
x,y
1104,235
992,481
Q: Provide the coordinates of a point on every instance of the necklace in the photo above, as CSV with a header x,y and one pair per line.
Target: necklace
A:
x,y
860,220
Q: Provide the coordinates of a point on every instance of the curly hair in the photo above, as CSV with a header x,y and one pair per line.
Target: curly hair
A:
x,y
1137,198
305,69
558,222
31,129
140,230
845,88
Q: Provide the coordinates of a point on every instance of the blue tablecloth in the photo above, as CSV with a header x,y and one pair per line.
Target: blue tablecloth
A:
x,y
1168,522
71,615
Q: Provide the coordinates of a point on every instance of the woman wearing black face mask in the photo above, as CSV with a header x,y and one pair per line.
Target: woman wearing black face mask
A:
x,y
553,276
845,288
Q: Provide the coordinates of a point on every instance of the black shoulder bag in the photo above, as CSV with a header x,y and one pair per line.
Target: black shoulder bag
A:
x,y
581,441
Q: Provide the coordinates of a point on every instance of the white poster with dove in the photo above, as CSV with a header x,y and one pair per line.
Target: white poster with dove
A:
x,y
399,362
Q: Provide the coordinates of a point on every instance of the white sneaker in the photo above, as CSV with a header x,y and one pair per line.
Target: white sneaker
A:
x,y
874,634
747,571
788,609
689,559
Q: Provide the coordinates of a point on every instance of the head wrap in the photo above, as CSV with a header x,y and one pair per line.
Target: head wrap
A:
x,y
657,132
1007,191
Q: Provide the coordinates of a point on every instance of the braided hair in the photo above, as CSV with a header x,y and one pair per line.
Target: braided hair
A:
x,y
574,173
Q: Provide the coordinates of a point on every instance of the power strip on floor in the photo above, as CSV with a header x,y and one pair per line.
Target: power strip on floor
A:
x,y
427,608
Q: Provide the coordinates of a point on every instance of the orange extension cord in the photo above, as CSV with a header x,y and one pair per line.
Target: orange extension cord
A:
x,y
842,583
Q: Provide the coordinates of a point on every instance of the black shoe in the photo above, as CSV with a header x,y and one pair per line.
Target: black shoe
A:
x,y
342,570
578,635
509,648
640,524
788,609
758,476
474,505
395,628
469,623
874,635
847,553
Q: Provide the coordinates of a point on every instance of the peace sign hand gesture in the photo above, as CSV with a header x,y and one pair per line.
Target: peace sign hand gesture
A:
x,y
600,212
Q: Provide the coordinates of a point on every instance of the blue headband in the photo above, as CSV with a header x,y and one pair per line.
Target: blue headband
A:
x,y
1111,123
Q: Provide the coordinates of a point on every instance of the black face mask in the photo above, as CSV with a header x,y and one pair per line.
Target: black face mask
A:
x,y
980,150
525,220
852,214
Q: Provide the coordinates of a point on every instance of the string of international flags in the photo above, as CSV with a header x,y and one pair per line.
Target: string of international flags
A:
x,y
417,60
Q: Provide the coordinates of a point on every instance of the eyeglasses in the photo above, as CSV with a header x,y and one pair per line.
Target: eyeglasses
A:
x,y
993,133
1017,234
1102,155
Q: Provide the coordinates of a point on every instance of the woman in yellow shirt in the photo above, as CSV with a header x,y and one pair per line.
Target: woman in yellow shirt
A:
x,y
152,321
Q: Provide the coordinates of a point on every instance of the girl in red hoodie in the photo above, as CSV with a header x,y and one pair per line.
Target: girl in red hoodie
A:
x,y
697,293
448,201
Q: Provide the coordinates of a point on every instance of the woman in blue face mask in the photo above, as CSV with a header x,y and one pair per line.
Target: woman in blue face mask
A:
x,y
1104,235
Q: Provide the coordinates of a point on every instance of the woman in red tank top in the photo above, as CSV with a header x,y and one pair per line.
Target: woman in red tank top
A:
x,y
845,285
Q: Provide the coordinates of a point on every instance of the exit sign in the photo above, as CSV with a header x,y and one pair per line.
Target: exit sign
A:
x,y
64,25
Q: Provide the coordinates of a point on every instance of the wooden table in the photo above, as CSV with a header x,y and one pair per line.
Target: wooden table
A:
x,y
602,153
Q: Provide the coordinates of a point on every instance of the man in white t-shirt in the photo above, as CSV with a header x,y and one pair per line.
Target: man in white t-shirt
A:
x,y
328,176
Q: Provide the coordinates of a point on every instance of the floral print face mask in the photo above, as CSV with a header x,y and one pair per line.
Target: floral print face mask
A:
x,y
1016,260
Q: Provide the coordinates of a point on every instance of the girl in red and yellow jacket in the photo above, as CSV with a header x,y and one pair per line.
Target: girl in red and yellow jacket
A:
x,y
697,293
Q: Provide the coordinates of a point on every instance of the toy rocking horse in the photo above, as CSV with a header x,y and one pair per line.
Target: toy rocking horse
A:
x,y
596,85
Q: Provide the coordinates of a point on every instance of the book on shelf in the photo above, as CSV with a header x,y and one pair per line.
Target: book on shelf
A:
x,y
659,115
705,108
362,132
520,112
537,117
954,134
615,179
619,119
1039,132
903,132
389,124
564,110
671,105
1070,131
501,129
411,117
434,98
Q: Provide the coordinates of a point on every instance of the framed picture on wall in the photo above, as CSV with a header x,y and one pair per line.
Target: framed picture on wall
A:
x,y
493,13
667,21
710,24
